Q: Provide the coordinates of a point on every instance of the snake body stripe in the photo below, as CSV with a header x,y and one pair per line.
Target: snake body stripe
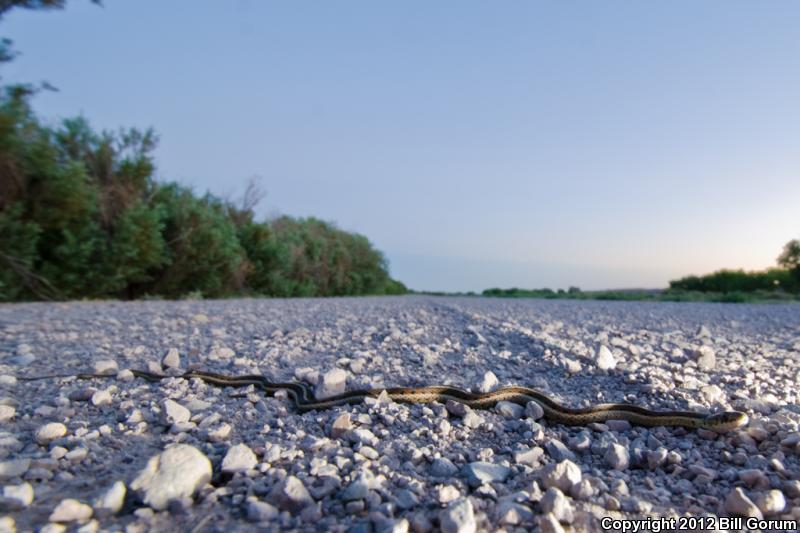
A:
x,y
304,401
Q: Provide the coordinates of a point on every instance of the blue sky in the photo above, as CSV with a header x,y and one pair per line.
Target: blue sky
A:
x,y
478,144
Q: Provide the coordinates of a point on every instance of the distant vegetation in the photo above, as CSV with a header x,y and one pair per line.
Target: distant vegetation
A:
x,y
82,217
774,284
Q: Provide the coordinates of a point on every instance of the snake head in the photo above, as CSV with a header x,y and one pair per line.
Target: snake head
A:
x,y
725,421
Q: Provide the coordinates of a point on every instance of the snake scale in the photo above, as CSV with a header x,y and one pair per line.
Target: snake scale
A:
x,y
304,401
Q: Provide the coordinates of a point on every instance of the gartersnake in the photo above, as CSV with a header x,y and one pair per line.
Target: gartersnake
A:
x,y
304,401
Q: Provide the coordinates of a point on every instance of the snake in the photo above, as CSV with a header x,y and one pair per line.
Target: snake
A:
x,y
304,400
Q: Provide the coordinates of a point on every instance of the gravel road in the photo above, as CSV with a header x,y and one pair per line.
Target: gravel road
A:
x,y
122,453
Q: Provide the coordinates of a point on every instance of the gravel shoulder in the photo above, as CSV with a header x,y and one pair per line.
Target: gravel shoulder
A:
x,y
126,454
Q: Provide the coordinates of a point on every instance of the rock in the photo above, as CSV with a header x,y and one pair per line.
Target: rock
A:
x,y
341,425
110,502
291,495
8,525
443,467
513,513
481,472
457,409
176,473
771,503
70,510
706,360
174,413
617,457
558,451
331,383
472,420
219,433
529,456
50,432
703,332
125,375
534,410
261,511
738,504
16,497
459,517
106,367
549,524
509,410
357,490
618,425
101,398
172,359
240,458
557,504
605,359
447,494
563,475
488,383
7,413
14,468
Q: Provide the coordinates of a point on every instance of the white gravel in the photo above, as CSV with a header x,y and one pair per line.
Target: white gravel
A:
x,y
125,454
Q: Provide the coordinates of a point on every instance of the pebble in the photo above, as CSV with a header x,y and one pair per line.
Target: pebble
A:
x,y
50,432
481,472
106,367
172,359
101,398
16,497
557,504
488,382
219,433
605,359
443,467
529,456
239,458
617,457
341,425
331,383
509,410
70,510
558,451
458,517
771,502
7,413
738,504
176,473
290,494
110,502
549,524
562,475
174,413
258,511
706,359
534,410
512,513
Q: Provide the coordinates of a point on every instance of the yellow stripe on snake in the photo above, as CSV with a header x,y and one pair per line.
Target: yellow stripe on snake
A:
x,y
304,401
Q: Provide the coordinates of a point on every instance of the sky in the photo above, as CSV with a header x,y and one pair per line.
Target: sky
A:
x,y
477,144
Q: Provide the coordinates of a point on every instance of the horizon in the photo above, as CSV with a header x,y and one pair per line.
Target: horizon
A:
x,y
531,146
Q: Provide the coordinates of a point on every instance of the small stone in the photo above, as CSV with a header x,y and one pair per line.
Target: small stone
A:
x,y
618,425
125,375
530,456
16,497
220,433
291,495
240,458
443,467
332,382
447,494
77,455
488,383
70,510
176,473
549,524
509,410
457,409
174,413
110,502
357,490
341,425
261,511
481,472
556,503
558,451
106,367
738,504
563,475
771,503
472,420
101,397
706,360
8,525
703,332
605,359
6,379
534,410
172,359
50,432
617,457
459,517
7,412
512,513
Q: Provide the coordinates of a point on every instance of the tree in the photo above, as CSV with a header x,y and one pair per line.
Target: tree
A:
x,y
790,259
7,5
